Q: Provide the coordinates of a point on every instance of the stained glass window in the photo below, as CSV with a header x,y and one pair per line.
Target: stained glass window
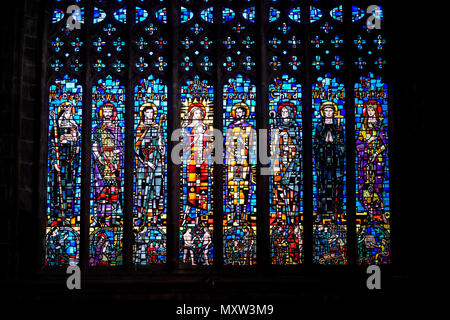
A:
x,y
197,110
329,171
107,172
285,35
372,171
149,48
239,125
196,217
286,183
239,134
108,65
64,172
123,75
150,168
64,137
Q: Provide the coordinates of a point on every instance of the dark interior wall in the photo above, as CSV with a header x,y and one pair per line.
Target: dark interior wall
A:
x,y
20,96
19,127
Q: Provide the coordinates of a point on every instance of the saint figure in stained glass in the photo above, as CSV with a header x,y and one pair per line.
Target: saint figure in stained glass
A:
x,y
107,149
240,150
329,151
287,166
196,158
371,151
150,151
64,156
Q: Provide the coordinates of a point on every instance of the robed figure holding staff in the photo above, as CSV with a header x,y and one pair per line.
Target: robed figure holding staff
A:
x,y
64,157
287,162
150,155
107,150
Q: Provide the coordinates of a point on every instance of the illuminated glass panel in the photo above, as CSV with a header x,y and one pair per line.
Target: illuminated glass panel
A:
x,y
161,15
372,160
329,171
294,14
99,15
121,15
227,14
196,217
141,15
239,126
286,183
64,173
150,172
372,171
185,15
107,173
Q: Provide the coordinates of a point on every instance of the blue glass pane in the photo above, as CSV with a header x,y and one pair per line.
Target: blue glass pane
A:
x,y
141,14
161,15
208,14
315,14
99,15
357,13
249,14
294,14
227,14
274,14
185,15
337,14
58,14
121,15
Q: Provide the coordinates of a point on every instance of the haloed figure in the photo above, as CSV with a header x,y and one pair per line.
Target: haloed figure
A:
x,y
371,151
196,163
240,159
329,153
150,151
107,149
64,157
287,169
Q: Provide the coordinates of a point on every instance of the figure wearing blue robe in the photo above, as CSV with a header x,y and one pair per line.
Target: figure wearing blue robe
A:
x,y
288,173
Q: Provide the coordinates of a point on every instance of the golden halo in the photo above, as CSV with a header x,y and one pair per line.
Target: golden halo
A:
x,y
242,106
328,104
146,106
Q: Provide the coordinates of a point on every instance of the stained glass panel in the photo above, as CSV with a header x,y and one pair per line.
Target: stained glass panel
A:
x,y
110,31
150,172
372,171
329,171
372,160
107,173
64,173
239,126
196,218
286,183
